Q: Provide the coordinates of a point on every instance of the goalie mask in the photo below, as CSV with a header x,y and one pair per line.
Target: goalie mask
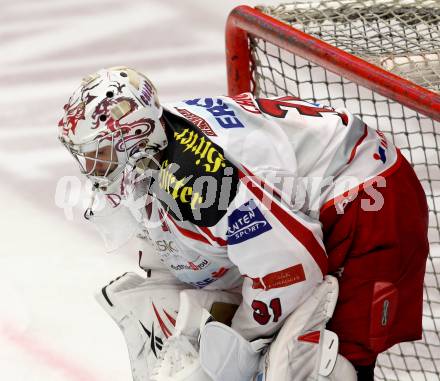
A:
x,y
111,120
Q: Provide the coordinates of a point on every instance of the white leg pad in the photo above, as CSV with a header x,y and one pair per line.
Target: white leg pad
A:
x,y
343,370
144,309
296,352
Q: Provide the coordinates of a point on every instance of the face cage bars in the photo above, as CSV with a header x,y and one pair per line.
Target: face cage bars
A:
x,y
110,175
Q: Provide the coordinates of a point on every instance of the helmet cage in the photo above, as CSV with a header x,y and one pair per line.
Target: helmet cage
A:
x,y
113,164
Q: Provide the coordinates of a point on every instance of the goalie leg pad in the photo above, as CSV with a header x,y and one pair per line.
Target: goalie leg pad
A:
x,y
303,349
145,310
343,370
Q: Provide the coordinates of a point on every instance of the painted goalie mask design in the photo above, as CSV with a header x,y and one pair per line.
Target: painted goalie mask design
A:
x,y
112,119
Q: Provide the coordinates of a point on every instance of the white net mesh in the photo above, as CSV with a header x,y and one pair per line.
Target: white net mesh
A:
x,y
404,38
401,36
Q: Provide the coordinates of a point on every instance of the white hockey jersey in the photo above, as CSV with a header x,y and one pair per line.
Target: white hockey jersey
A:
x,y
240,189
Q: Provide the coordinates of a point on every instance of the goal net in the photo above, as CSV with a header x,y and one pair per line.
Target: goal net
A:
x,y
390,78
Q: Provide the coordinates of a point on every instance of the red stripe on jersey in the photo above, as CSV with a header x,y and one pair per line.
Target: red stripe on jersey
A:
x,y
311,337
279,279
354,191
188,233
218,240
267,187
358,143
298,230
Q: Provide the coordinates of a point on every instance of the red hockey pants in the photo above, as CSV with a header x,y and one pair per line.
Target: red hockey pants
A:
x,y
380,259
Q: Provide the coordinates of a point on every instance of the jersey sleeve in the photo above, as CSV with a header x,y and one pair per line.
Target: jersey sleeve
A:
x,y
279,253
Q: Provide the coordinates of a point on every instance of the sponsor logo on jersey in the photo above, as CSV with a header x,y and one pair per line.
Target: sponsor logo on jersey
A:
x,y
201,123
215,275
382,149
177,188
203,283
224,116
191,266
245,223
195,173
280,279
206,154
165,246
